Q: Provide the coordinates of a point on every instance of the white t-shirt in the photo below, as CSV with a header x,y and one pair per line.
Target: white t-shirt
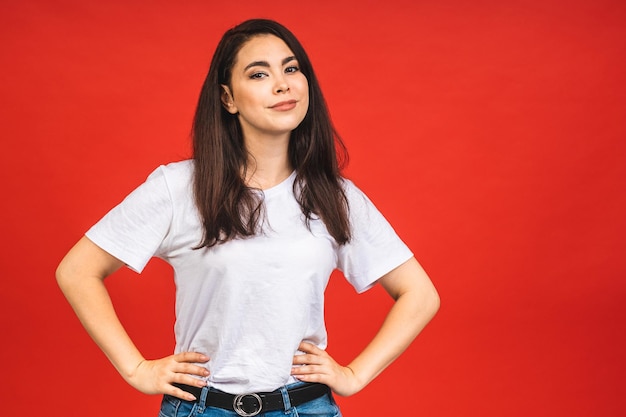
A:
x,y
247,303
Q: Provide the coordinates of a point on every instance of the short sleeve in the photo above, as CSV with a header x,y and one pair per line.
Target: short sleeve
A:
x,y
134,230
375,249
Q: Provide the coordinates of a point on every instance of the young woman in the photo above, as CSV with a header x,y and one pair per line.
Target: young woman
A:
x,y
253,226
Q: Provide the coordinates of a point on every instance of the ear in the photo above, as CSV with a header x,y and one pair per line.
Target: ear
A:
x,y
227,100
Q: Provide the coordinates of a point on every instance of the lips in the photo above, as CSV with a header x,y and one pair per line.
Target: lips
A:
x,y
284,105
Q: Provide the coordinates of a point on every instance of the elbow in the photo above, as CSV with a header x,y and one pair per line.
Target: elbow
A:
x,y
66,275
434,302
61,276
430,301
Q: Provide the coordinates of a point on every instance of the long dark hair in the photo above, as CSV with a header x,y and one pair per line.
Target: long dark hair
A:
x,y
229,208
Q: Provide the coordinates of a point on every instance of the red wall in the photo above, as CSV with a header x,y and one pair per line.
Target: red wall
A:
x,y
490,133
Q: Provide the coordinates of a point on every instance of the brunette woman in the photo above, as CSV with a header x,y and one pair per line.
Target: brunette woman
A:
x,y
253,227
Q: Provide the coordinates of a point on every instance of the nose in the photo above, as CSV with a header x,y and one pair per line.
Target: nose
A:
x,y
281,85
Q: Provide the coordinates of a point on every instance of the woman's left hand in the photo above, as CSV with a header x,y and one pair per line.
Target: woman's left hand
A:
x,y
315,365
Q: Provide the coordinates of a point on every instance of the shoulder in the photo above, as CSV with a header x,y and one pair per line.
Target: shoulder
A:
x,y
353,193
177,176
167,182
360,206
176,171
347,185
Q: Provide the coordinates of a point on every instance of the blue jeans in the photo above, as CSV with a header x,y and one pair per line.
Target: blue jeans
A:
x,y
323,406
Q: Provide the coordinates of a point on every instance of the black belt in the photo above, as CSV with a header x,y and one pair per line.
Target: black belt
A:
x,y
248,405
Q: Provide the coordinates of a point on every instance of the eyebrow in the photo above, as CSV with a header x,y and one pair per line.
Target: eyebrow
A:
x,y
266,64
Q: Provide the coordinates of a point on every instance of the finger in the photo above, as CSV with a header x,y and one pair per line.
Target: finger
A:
x,y
307,359
307,347
191,357
311,378
305,370
188,380
179,393
187,368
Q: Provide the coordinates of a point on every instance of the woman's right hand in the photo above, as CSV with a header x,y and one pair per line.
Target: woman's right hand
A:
x,y
157,376
81,277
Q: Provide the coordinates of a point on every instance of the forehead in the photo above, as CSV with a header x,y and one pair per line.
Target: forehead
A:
x,y
263,48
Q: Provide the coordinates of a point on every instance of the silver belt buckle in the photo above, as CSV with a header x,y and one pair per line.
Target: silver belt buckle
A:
x,y
238,405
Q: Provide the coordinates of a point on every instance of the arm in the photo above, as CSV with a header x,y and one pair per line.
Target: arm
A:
x,y
416,302
81,277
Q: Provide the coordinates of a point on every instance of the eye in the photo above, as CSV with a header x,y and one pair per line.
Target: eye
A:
x,y
257,75
292,68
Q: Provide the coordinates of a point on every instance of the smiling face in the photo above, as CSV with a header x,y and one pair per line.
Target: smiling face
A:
x,y
268,92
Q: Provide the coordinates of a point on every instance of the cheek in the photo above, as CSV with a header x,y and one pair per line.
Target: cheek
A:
x,y
303,89
306,108
304,86
245,95
243,99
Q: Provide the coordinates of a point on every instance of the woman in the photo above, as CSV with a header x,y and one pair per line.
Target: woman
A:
x,y
253,227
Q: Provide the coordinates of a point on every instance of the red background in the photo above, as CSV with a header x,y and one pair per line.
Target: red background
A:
x,y
490,133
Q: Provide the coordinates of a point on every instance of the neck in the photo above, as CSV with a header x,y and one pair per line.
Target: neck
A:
x,y
268,161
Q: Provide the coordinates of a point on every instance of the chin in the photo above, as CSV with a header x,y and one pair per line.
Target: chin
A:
x,y
289,127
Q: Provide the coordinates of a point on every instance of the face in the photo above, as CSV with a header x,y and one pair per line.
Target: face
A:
x,y
267,91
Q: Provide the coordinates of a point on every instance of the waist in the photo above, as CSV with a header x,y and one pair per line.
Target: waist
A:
x,y
251,404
